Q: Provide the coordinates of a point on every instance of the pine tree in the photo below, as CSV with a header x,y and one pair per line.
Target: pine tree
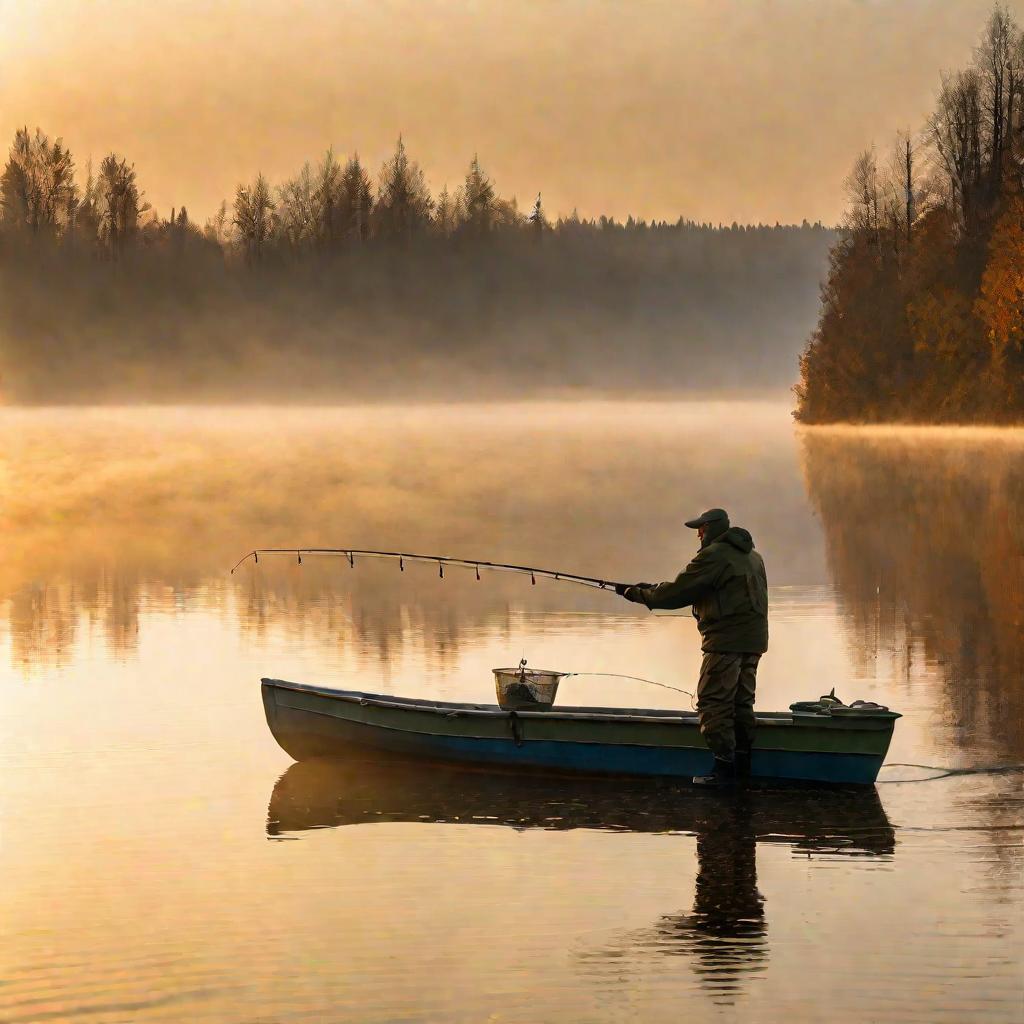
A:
x,y
404,204
254,218
449,214
537,221
479,199
327,200
355,203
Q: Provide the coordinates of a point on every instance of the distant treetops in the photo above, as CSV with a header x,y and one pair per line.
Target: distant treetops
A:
x,y
326,207
320,207
38,193
922,314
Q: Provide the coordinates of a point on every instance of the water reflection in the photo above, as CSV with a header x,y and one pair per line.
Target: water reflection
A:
x,y
353,791
725,936
925,544
111,506
582,901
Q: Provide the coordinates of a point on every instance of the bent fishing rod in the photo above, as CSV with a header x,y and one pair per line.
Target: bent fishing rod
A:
x,y
439,560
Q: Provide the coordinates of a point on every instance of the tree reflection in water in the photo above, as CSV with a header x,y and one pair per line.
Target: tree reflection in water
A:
x,y
117,510
725,937
925,544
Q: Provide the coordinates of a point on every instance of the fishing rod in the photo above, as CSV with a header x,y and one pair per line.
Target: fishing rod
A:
x,y
439,560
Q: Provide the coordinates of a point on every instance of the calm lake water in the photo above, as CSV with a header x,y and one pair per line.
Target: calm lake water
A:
x,y
163,860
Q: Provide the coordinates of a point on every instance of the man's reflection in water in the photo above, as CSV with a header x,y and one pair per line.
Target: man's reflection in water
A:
x,y
726,935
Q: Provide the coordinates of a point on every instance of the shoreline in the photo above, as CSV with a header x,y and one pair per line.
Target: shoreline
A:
x,y
922,430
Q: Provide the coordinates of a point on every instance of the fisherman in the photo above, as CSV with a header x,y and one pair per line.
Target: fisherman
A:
x,y
726,586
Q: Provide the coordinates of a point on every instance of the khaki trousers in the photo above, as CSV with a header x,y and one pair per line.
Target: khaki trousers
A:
x,y
725,702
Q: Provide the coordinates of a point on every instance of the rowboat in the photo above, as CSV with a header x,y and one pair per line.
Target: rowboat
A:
x,y
835,745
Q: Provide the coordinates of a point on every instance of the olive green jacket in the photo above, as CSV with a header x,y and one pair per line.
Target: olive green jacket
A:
x,y
727,586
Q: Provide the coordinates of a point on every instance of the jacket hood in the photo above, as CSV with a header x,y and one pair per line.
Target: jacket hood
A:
x,y
738,538
714,531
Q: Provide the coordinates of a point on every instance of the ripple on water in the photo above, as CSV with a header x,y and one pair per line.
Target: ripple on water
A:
x,y
141,789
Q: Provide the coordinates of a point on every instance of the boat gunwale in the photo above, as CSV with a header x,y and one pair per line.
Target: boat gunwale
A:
x,y
452,709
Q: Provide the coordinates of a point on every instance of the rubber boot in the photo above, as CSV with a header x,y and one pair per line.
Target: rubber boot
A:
x,y
742,765
722,776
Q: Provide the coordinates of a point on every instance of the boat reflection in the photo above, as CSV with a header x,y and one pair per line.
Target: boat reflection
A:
x,y
725,935
321,793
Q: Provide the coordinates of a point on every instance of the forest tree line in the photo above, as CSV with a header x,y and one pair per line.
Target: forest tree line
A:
x,y
339,282
922,314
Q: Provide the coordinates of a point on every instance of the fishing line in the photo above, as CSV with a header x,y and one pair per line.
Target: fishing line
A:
x,y
594,582
638,679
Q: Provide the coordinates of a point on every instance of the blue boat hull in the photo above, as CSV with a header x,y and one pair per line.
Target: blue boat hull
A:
x,y
317,722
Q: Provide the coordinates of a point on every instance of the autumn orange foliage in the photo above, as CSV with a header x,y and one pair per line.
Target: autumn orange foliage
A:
x,y
922,315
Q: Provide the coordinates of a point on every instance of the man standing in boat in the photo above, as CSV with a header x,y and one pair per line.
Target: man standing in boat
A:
x,y
726,586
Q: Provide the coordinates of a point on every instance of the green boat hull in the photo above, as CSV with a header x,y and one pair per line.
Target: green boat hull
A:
x,y
313,721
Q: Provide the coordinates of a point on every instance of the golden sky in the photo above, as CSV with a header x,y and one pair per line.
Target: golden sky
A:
x,y
712,109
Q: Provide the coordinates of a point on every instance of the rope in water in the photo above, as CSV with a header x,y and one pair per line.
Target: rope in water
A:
x,y
945,772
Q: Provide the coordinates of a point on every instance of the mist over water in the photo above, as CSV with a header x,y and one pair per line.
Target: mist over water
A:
x,y
134,745
583,309
121,499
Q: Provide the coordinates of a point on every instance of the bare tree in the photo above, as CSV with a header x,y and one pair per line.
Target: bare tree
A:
x,y
299,211
902,195
997,61
37,188
217,227
506,214
863,217
119,203
956,134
